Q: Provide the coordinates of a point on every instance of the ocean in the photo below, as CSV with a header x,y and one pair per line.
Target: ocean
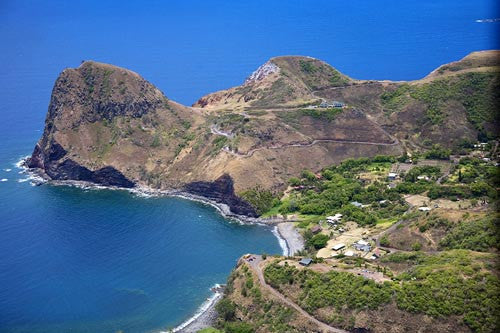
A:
x,y
88,260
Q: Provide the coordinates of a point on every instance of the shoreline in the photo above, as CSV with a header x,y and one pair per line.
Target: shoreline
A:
x,y
288,237
204,316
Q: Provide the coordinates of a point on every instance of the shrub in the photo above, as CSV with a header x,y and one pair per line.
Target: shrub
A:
x,y
318,241
226,309
238,327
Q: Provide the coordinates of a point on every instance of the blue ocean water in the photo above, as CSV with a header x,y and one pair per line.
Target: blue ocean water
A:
x,y
100,260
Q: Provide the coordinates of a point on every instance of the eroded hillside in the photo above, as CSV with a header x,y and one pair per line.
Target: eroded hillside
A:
x,y
108,125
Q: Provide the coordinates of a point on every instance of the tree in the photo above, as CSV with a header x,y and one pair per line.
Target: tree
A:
x,y
384,241
226,309
318,241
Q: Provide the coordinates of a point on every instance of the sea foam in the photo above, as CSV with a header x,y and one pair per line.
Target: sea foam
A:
x,y
207,305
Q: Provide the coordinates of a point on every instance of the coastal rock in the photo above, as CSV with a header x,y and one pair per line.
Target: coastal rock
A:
x,y
222,191
51,161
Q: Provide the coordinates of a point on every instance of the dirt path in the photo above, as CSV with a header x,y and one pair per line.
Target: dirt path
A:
x,y
216,131
284,146
255,265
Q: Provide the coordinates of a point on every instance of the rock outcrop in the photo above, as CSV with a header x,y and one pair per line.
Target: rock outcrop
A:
x,y
52,163
222,191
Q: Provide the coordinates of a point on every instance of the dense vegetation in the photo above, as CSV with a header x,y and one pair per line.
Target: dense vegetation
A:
x,y
450,283
260,199
336,187
337,289
264,313
478,234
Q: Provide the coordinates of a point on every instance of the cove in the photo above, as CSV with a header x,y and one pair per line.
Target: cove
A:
x,y
90,260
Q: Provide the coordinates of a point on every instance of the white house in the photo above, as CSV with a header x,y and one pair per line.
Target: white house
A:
x,y
338,246
334,219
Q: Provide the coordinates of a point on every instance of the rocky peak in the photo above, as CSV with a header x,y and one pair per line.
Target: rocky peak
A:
x,y
262,72
96,91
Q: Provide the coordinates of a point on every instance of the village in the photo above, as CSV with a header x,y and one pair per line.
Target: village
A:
x,y
348,239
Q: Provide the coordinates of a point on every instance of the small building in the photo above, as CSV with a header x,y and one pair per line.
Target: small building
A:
x,y
316,229
392,176
364,248
338,246
323,105
362,245
374,256
424,209
305,261
334,219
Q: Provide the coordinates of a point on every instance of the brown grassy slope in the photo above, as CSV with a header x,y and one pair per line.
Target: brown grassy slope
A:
x,y
291,84
104,115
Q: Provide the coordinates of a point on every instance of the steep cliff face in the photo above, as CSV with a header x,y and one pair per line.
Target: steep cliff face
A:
x,y
90,94
100,121
222,191
108,125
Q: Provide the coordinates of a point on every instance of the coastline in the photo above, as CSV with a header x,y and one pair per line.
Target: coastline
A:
x,y
288,237
292,238
204,317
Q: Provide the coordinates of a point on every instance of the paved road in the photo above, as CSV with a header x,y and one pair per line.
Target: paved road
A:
x,y
255,265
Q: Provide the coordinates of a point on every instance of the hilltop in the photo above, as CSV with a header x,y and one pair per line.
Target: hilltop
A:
x,y
108,125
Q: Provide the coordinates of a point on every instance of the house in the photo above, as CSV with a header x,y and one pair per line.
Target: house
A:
x,y
338,246
392,176
334,219
357,204
362,245
305,261
424,209
316,229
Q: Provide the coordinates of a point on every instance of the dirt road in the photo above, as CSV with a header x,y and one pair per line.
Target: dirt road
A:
x,y
255,265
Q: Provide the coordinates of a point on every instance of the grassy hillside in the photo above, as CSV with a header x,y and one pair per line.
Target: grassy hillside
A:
x,y
104,115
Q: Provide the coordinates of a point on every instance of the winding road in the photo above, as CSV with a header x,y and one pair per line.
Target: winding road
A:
x,y
288,145
255,265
